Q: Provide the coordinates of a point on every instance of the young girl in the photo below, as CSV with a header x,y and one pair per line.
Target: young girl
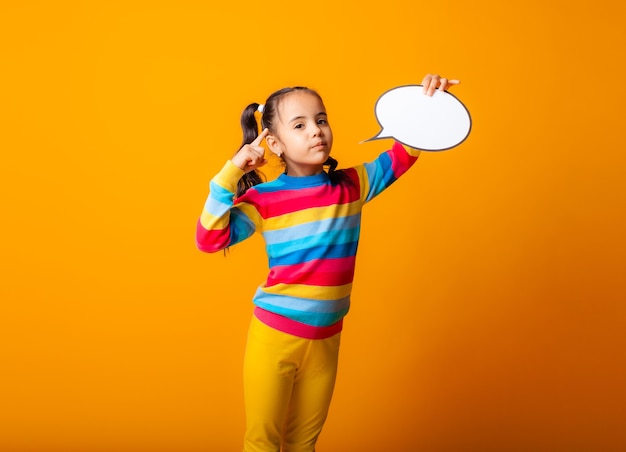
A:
x,y
310,220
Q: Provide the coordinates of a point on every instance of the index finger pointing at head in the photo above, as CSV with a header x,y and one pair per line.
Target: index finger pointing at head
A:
x,y
260,138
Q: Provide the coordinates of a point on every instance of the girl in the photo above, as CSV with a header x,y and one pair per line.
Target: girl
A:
x,y
310,220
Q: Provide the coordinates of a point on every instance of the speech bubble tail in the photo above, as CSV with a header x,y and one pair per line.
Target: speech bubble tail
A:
x,y
378,136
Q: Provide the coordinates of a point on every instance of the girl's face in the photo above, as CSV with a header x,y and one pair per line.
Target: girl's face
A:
x,y
302,134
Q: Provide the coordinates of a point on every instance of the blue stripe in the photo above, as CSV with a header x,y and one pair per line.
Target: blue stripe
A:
x,y
323,239
285,182
319,252
328,239
303,310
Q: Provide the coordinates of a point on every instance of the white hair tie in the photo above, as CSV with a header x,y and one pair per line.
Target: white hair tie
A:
x,y
260,108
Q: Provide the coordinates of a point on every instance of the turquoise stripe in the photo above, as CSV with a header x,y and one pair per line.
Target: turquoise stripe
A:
x,y
216,207
310,229
220,193
300,304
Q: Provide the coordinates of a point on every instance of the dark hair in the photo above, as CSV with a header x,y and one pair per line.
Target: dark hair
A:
x,y
250,129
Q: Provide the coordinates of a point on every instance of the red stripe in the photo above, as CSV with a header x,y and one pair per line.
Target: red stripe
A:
x,y
401,161
319,272
288,201
280,323
213,240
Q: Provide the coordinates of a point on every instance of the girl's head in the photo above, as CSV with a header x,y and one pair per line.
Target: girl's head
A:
x,y
299,132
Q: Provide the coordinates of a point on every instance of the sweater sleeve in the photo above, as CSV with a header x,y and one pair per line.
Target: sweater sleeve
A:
x,y
222,224
378,175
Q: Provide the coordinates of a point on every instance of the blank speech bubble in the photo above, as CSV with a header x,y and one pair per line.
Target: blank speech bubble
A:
x,y
429,123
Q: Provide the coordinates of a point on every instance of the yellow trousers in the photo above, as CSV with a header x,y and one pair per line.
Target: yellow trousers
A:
x,y
288,385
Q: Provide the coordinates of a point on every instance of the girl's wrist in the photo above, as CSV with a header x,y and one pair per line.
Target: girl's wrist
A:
x,y
237,163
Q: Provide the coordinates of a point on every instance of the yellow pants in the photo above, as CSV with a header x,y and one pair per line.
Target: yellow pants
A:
x,y
288,385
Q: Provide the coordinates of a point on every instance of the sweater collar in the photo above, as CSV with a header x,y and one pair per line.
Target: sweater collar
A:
x,y
304,181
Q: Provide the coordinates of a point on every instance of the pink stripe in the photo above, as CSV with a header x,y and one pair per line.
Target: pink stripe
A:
x,y
280,323
288,201
319,272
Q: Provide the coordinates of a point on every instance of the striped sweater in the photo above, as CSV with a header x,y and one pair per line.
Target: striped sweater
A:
x,y
311,229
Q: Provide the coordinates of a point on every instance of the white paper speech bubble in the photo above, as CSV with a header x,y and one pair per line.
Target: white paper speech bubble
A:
x,y
429,123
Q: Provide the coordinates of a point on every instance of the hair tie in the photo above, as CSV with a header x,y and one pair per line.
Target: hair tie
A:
x,y
260,108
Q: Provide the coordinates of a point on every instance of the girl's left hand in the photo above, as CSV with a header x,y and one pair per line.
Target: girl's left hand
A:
x,y
433,82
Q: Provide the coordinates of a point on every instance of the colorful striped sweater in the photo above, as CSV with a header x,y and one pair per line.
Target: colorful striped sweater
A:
x,y
311,229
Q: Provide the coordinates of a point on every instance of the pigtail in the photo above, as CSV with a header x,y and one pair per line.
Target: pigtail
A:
x,y
332,164
250,129
335,176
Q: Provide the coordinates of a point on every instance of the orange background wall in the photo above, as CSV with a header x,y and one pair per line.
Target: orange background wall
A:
x,y
488,311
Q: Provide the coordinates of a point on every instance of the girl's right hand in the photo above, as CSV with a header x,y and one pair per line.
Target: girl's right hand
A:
x,y
251,156
432,82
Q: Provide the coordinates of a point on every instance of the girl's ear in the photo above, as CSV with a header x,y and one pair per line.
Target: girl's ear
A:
x,y
274,145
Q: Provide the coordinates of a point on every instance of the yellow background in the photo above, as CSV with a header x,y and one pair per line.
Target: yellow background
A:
x,y
488,311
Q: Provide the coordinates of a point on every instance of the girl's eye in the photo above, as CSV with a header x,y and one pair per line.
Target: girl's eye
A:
x,y
298,126
322,121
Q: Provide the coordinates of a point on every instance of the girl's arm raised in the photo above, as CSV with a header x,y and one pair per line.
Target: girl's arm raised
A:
x,y
378,175
222,224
